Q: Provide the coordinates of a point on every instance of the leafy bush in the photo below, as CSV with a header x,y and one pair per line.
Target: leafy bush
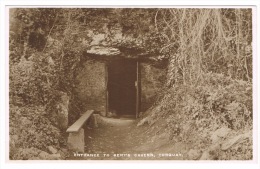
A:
x,y
192,112
33,79
29,128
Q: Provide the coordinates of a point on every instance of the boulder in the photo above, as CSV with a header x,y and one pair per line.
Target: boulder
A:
x,y
15,137
62,118
211,153
44,155
52,150
194,154
235,140
102,113
205,156
13,140
142,122
219,134
109,114
34,158
25,121
58,110
28,153
55,157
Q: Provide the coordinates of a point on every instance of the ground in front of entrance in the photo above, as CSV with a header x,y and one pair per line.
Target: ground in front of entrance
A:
x,y
121,139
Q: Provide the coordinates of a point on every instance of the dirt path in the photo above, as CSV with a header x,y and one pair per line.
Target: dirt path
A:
x,y
121,139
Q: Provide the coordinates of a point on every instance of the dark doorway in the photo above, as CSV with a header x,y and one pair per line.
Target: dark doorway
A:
x,y
122,77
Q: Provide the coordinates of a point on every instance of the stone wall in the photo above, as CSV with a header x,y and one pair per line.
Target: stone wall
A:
x,y
152,80
90,86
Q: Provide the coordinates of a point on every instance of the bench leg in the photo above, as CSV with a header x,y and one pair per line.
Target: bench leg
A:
x,y
94,120
76,141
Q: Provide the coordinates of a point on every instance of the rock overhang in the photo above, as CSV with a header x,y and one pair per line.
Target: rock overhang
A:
x,y
104,51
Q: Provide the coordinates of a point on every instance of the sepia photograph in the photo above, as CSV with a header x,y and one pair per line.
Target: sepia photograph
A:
x,y
139,83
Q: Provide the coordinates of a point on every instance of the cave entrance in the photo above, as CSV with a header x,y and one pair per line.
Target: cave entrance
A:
x,y
123,88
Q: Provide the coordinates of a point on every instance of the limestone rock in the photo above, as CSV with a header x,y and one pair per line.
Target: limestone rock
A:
x,y
194,154
211,153
44,155
13,140
15,137
237,139
220,134
25,121
143,121
205,156
34,158
112,114
109,114
102,113
62,116
102,50
28,153
58,110
52,150
64,152
55,157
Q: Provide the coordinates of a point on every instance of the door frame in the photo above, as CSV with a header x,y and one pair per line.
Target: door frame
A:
x,y
106,86
138,89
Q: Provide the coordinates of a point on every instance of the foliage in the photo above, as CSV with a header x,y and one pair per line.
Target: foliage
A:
x,y
204,40
30,80
30,128
38,69
192,112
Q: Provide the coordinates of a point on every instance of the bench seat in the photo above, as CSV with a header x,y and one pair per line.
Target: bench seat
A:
x,y
75,127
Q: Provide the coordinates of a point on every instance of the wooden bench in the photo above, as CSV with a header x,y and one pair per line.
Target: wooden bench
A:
x,y
76,141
